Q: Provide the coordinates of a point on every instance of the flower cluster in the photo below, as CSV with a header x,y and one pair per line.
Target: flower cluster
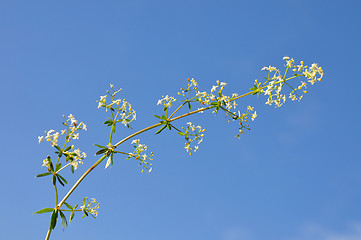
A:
x,y
90,207
71,127
243,117
192,84
166,101
51,136
75,157
192,134
276,80
123,108
140,156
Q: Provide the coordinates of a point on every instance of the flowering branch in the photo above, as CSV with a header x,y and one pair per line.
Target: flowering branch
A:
x,y
122,112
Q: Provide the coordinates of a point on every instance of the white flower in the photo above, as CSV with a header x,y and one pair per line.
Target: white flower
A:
x,y
75,136
41,138
254,115
214,88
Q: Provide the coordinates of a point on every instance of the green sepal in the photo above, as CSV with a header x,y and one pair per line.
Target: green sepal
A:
x,y
43,174
54,218
68,205
44,210
101,151
161,129
63,220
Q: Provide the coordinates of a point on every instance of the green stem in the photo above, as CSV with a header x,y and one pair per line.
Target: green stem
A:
x,y
56,194
80,180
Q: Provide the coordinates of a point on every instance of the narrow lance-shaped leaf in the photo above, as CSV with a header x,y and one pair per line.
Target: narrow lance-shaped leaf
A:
x,y
54,219
101,151
57,167
67,149
63,179
68,205
71,216
100,146
43,174
63,220
161,129
44,210
114,128
61,182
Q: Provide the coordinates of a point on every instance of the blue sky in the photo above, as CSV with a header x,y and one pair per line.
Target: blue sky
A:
x,y
295,175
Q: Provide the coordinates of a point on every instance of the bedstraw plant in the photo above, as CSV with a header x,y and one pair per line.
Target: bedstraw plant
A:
x,y
277,86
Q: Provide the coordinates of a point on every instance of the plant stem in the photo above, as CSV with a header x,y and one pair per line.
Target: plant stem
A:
x,y
80,180
48,234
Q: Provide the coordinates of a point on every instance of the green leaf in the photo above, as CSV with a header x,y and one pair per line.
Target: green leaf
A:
x,y
57,147
54,180
44,210
84,201
101,151
162,117
61,182
108,121
109,161
161,129
51,166
71,216
67,149
85,213
214,103
113,128
76,205
100,146
189,106
63,179
181,133
57,167
43,174
54,218
169,127
63,220
72,168
68,205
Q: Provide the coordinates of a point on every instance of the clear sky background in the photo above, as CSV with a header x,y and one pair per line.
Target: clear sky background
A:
x,y
296,175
